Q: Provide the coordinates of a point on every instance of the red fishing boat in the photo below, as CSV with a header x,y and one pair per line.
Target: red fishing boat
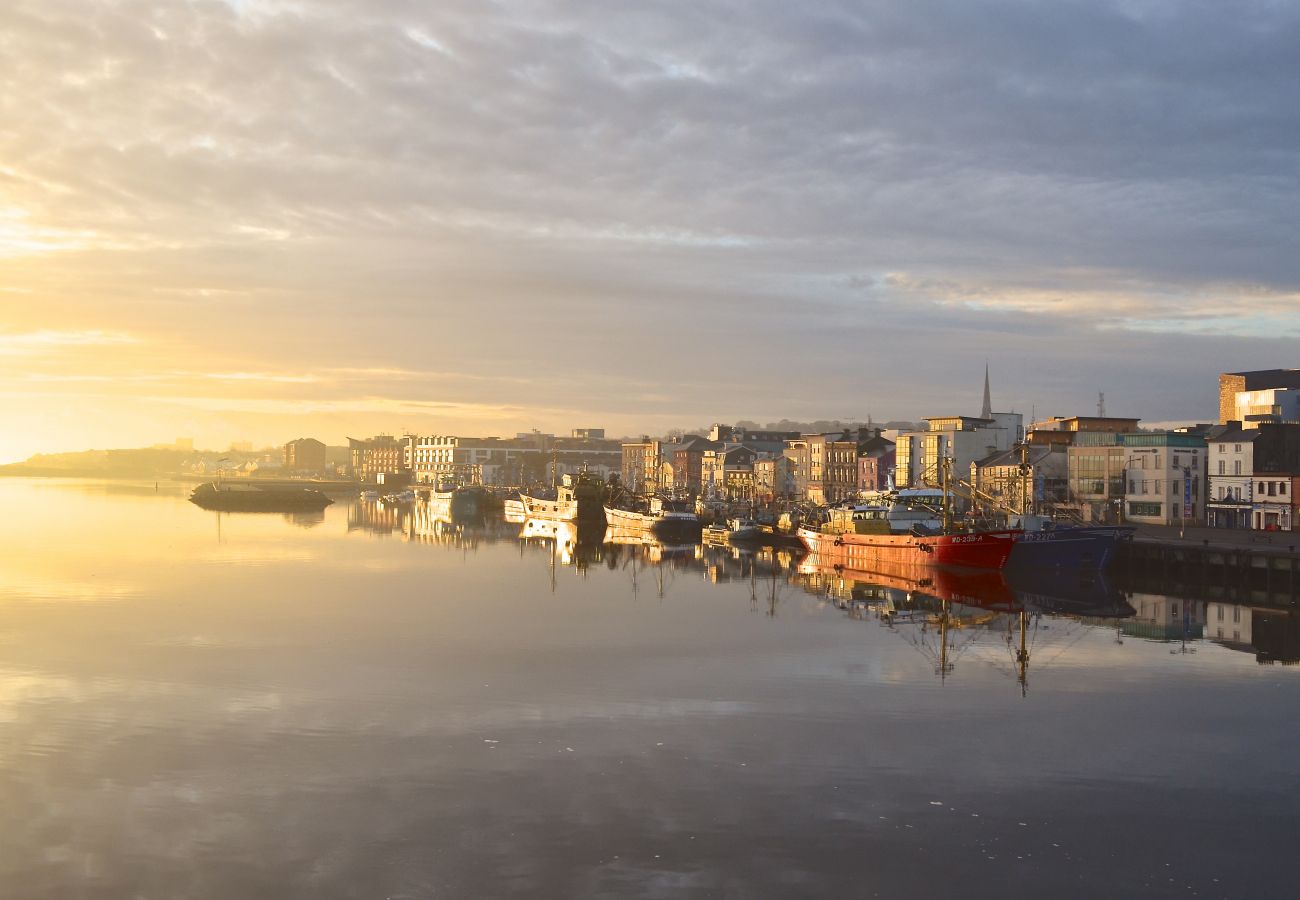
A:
x,y
975,550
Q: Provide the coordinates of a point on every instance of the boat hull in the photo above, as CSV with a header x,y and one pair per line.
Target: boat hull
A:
x,y
673,524
1083,547
552,510
979,550
255,498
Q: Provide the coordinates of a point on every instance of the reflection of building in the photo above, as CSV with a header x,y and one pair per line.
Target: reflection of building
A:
x,y
1228,623
1161,618
304,455
1273,635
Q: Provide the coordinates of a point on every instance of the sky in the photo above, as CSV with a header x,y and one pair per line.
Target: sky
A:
x,y
254,220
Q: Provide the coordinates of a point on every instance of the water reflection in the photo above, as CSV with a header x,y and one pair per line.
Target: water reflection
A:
x,y
544,712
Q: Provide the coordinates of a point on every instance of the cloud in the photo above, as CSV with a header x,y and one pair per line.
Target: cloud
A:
x,y
38,342
614,204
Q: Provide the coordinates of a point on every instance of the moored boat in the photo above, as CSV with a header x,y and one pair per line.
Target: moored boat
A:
x,y
242,496
577,497
659,516
976,550
1072,547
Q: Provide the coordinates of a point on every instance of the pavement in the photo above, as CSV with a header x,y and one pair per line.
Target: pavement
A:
x,y
1238,538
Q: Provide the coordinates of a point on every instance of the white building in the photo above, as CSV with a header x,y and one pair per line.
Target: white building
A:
x,y
1164,472
1231,462
963,440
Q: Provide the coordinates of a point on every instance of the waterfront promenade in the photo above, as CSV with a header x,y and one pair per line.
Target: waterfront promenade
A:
x,y
1227,538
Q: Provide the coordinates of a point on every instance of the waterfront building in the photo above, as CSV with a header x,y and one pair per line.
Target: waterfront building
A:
x,y
304,455
688,464
1065,430
1095,486
1231,476
728,473
960,439
764,441
1232,384
443,458
1162,468
588,434
876,461
773,479
643,464
374,458
527,458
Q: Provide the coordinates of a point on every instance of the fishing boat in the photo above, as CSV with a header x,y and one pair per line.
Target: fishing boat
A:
x,y
243,496
577,497
466,501
976,550
1070,547
739,529
656,515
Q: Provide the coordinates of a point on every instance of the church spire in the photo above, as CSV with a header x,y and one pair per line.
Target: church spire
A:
x,y
987,411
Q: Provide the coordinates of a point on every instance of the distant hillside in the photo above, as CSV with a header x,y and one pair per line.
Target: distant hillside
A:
x,y
128,463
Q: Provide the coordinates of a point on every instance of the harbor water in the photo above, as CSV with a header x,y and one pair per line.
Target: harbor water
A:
x,y
371,702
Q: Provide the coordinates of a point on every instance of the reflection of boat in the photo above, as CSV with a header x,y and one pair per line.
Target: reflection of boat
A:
x,y
971,587
241,496
1084,546
977,550
467,501
1088,593
580,496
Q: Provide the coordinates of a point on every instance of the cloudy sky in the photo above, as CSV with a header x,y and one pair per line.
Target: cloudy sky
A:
x,y
256,219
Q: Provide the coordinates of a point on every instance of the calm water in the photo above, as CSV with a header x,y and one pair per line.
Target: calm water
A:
x,y
360,705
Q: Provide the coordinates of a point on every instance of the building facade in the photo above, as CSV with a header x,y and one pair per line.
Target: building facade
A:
x,y
1231,464
304,455
1233,383
378,456
1164,475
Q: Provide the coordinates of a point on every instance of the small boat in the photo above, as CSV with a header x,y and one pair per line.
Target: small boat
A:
x,y
242,496
743,530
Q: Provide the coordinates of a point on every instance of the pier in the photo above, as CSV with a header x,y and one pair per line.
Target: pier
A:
x,y
1207,563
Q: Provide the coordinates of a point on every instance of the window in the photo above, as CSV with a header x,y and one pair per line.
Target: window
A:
x,y
1223,448
1223,467
1272,489
1220,612
1236,448
1281,488
1236,467
1261,488
1236,614
1173,610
